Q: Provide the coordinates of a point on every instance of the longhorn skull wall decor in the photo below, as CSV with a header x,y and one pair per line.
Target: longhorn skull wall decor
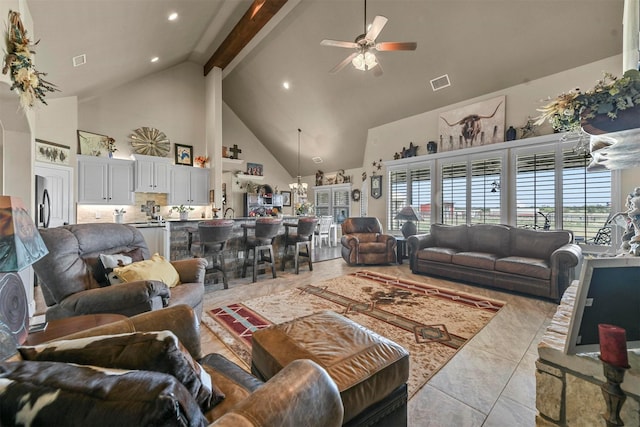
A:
x,y
477,124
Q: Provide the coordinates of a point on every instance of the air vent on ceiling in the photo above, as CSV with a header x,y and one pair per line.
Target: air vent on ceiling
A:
x,y
79,60
317,159
440,82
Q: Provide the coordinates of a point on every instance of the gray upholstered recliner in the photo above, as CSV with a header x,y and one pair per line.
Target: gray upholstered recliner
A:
x,y
363,242
71,285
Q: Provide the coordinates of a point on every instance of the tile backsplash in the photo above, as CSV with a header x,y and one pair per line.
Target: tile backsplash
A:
x,y
104,213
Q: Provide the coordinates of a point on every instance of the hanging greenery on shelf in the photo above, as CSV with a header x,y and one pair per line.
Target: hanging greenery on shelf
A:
x,y
26,79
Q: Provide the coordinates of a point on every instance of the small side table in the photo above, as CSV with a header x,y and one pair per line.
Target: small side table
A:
x,y
70,325
401,249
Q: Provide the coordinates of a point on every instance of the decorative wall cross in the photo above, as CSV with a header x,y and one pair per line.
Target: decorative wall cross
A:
x,y
235,151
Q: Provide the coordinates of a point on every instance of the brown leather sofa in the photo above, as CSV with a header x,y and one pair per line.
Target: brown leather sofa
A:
x,y
71,284
302,394
363,242
534,262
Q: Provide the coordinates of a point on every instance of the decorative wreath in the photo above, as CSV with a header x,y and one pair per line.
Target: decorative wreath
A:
x,y
24,75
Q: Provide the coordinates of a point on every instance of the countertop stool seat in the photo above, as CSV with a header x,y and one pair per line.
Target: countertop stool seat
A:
x,y
302,238
266,229
371,371
213,236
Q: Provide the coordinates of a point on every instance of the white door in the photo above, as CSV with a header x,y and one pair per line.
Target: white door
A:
x,y
60,188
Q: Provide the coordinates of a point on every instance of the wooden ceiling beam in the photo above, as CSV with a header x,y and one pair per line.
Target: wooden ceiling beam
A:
x,y
255,18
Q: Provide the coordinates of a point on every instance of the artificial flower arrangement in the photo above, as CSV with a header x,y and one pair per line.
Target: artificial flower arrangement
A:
x,y
26,79
120,211
182,208
201,161
305,208
610,96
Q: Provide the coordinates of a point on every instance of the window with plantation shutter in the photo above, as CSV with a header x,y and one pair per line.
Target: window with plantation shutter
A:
x,y
535,189
485,191
341,203
586,197
453,199
420,196
398,196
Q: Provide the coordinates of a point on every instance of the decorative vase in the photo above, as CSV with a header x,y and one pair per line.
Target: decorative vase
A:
x,y
184,216
118,218
511,134
601,123
432,147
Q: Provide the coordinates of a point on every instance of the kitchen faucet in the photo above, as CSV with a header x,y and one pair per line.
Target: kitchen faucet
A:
x,y
227,210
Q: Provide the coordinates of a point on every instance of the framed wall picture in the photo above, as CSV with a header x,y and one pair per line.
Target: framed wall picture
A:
x,y
51,152
92,144
254,169
184,154
286,198
376,186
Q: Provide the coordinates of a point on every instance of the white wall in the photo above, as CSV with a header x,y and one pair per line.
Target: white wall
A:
x,y
522,102
235,132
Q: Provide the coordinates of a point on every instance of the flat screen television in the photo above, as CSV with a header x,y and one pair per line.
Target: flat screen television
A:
x,y
608,292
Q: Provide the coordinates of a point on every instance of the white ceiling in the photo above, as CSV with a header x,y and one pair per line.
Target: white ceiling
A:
x,y
484,46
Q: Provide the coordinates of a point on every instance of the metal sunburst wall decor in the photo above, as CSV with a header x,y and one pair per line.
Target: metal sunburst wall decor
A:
x,y
150,142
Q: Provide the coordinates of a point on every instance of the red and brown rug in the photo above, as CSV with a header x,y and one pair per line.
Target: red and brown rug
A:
x,y
431,322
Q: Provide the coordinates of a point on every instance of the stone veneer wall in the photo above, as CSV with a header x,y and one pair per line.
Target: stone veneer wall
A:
x,y
568,386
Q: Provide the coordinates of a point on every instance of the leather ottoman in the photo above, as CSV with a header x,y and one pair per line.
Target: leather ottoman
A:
x,y
370,371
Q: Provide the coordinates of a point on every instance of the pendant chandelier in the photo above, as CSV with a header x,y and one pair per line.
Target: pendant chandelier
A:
x,y
299,188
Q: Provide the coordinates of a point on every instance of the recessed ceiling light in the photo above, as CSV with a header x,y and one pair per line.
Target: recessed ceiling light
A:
x,y
286,85
155,59
173,16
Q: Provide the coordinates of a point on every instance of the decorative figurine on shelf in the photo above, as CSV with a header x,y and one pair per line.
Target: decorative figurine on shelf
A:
x,y
511,134
235,151
529,129
319,178
432,147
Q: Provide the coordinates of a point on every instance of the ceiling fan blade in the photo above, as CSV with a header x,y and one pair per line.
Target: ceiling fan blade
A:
x,y
376,26
377,70
338,43
343,64
396,46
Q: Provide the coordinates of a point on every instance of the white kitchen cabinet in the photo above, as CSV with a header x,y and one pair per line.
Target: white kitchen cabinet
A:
x,y
189,186
152,174
104,181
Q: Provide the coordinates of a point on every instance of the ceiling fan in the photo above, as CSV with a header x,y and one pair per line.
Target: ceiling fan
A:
x,y
363,59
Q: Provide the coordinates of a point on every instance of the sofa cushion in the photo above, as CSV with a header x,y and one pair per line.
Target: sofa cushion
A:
x,y
365,237
482,260
451,236
436,254
537,244
489,238
55,393
153,351
372,248
156,268
523,266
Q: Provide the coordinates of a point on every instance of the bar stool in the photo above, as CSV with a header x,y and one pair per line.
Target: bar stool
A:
x,y
301,239
266,230
213,237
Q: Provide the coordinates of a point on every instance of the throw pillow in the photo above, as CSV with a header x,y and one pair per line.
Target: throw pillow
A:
x,y
54,393
158,351
109,262
156,268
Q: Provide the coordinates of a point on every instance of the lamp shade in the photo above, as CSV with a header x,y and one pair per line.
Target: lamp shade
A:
x,y
409,213
20,241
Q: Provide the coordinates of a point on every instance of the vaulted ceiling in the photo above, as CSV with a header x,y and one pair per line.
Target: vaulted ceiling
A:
x,y
483,45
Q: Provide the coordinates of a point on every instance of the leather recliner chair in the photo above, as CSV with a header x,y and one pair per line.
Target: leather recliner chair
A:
x,y
363,242
68,278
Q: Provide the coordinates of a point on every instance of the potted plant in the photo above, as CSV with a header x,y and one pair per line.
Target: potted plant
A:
x,y
183,211
611,106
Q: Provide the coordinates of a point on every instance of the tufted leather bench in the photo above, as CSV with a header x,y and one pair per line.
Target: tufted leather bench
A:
x,y
371,371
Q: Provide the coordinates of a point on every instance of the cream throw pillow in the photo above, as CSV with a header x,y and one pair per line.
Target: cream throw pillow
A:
x,y
156,268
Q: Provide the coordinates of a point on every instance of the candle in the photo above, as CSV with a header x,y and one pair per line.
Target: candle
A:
x,y
613,345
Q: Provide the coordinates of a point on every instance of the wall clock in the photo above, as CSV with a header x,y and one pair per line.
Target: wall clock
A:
x,y
376,186
355,195
150,142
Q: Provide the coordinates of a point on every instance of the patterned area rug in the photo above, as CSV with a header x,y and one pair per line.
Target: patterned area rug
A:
x,y
432,323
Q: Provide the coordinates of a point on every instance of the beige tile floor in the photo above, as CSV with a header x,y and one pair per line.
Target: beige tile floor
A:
x,y
489,382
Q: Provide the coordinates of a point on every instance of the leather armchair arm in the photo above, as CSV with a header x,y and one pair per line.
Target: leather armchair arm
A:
x,y
126,298
179,319
350,241
191,270
563,260
302,394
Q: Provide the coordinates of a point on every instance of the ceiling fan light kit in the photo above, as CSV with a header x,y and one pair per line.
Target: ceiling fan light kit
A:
x,y
363,59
